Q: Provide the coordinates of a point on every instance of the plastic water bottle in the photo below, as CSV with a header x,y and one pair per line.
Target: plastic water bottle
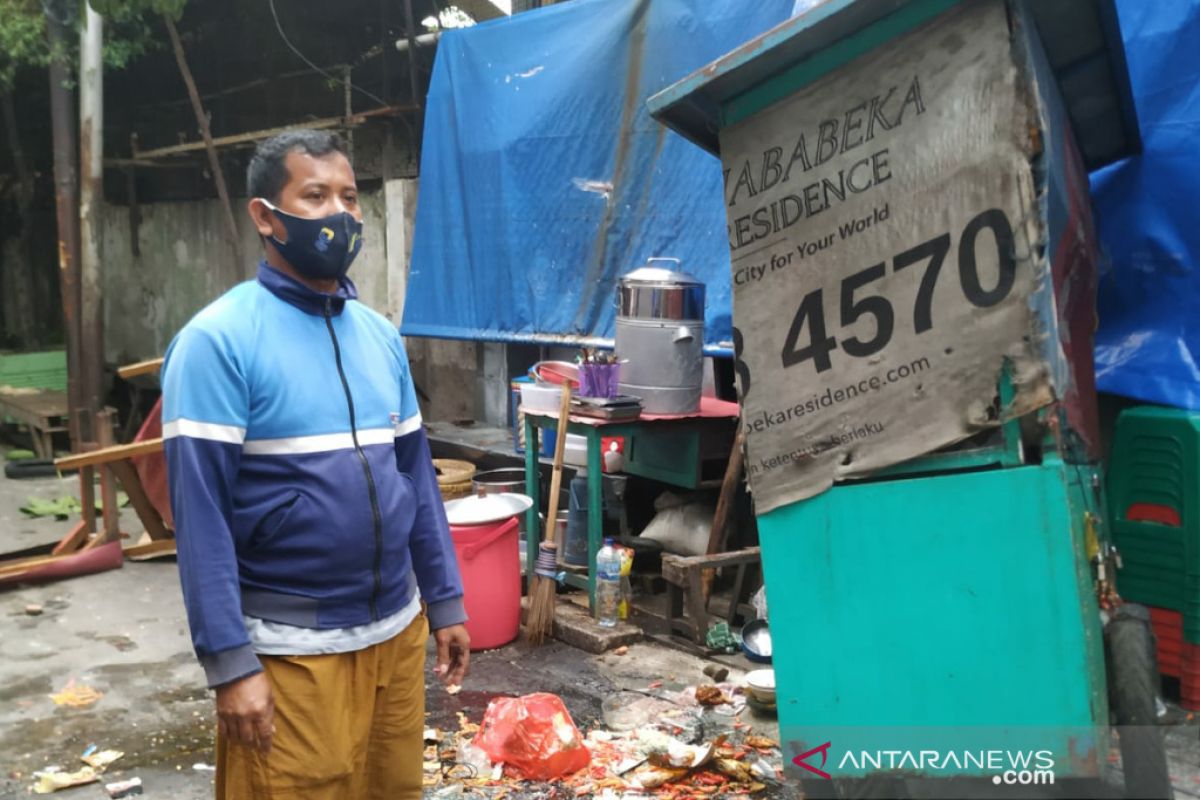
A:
x,y
608,584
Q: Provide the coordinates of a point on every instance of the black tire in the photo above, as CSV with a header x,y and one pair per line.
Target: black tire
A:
x,y
29,468
1133,683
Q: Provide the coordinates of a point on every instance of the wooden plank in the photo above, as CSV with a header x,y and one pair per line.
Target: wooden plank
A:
x,y
716,534
109,511
256,136
20,564
109,454
35,409
145,552
73,540
87,497
146,511
214,161
697,604
140,368
675,568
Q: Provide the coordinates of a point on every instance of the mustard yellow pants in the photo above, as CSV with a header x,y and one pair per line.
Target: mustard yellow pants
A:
x,y
348,726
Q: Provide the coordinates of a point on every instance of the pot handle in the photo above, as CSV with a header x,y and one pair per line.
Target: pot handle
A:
x,y
682,334
470,551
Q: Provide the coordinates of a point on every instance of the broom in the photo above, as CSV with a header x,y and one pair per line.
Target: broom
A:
x,y
540,622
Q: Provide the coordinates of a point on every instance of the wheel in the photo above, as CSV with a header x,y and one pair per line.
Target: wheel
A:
x,y
1133,686
29,468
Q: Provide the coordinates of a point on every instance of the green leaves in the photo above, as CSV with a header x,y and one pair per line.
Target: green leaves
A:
x,y
22,38
131,28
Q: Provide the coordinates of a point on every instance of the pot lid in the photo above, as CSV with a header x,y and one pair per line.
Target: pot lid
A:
x,y
659,275
482,509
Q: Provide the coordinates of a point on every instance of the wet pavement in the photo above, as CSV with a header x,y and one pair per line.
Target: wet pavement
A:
x,y
124,633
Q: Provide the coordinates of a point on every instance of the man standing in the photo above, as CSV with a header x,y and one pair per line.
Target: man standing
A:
x,y
310,527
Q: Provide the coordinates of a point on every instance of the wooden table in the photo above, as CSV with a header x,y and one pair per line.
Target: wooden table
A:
x,y
45,414
689,451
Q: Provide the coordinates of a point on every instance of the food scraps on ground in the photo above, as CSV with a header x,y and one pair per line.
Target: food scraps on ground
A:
x,y
649,762
711,696
761,742
76,695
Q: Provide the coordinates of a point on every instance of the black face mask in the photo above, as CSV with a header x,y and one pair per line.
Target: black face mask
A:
x,y
319,249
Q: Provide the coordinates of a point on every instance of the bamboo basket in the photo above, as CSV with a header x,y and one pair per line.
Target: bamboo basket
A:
x,y
454,477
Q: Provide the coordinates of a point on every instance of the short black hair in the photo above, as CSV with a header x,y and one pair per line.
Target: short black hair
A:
x,y
267,174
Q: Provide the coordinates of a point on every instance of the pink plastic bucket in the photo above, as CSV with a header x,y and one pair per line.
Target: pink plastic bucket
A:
x,y
490,562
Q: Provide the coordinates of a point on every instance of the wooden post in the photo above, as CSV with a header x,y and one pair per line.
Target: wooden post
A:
x,y
91,196
110,513
66,201
214,162
733,473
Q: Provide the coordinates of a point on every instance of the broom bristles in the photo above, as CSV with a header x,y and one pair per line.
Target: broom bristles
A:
x,y
540,622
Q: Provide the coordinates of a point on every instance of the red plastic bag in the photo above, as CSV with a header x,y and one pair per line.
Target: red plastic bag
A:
x,y
535,735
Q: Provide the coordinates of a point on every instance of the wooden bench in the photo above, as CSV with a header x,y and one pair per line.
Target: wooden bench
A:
x,y
43,412
686,591
33,393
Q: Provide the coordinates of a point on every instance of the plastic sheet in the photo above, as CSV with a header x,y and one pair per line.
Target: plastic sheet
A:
x,y
1148,342
543,177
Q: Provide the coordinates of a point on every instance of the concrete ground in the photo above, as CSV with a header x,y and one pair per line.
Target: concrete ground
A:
x,y
123,633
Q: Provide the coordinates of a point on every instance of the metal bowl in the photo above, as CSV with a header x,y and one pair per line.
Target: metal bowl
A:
x,y
484,509
756,641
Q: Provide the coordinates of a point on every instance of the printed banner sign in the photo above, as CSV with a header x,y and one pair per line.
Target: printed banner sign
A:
x,y
885,251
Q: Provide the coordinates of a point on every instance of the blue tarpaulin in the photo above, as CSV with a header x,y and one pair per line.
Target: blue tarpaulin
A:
x,y
543,177
1148,214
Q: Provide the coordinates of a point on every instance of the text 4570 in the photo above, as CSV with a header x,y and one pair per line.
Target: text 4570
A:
x,y
807,339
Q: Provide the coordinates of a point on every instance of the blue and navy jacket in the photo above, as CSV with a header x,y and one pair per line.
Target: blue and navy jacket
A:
x,y
301,480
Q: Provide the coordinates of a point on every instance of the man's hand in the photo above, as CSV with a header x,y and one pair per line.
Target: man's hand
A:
x,y
246,712
453,654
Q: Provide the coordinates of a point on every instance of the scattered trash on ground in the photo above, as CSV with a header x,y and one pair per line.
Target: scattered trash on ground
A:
x,y
52,779
535,735
34,610
722,638
650,746
76,695
202,767
128,788
99,760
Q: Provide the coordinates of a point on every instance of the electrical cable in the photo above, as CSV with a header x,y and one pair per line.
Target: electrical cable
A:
x,y
304,58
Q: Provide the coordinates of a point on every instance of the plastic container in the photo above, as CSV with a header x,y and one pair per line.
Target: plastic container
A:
x,y
489,560
608,584
575,540
575,450
541,397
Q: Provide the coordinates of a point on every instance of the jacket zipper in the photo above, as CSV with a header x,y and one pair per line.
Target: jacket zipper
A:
x,y
366,465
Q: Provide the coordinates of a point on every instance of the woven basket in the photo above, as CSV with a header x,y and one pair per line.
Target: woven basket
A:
x,y
454,477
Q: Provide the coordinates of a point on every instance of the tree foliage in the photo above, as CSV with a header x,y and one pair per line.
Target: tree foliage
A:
x,y
132,27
